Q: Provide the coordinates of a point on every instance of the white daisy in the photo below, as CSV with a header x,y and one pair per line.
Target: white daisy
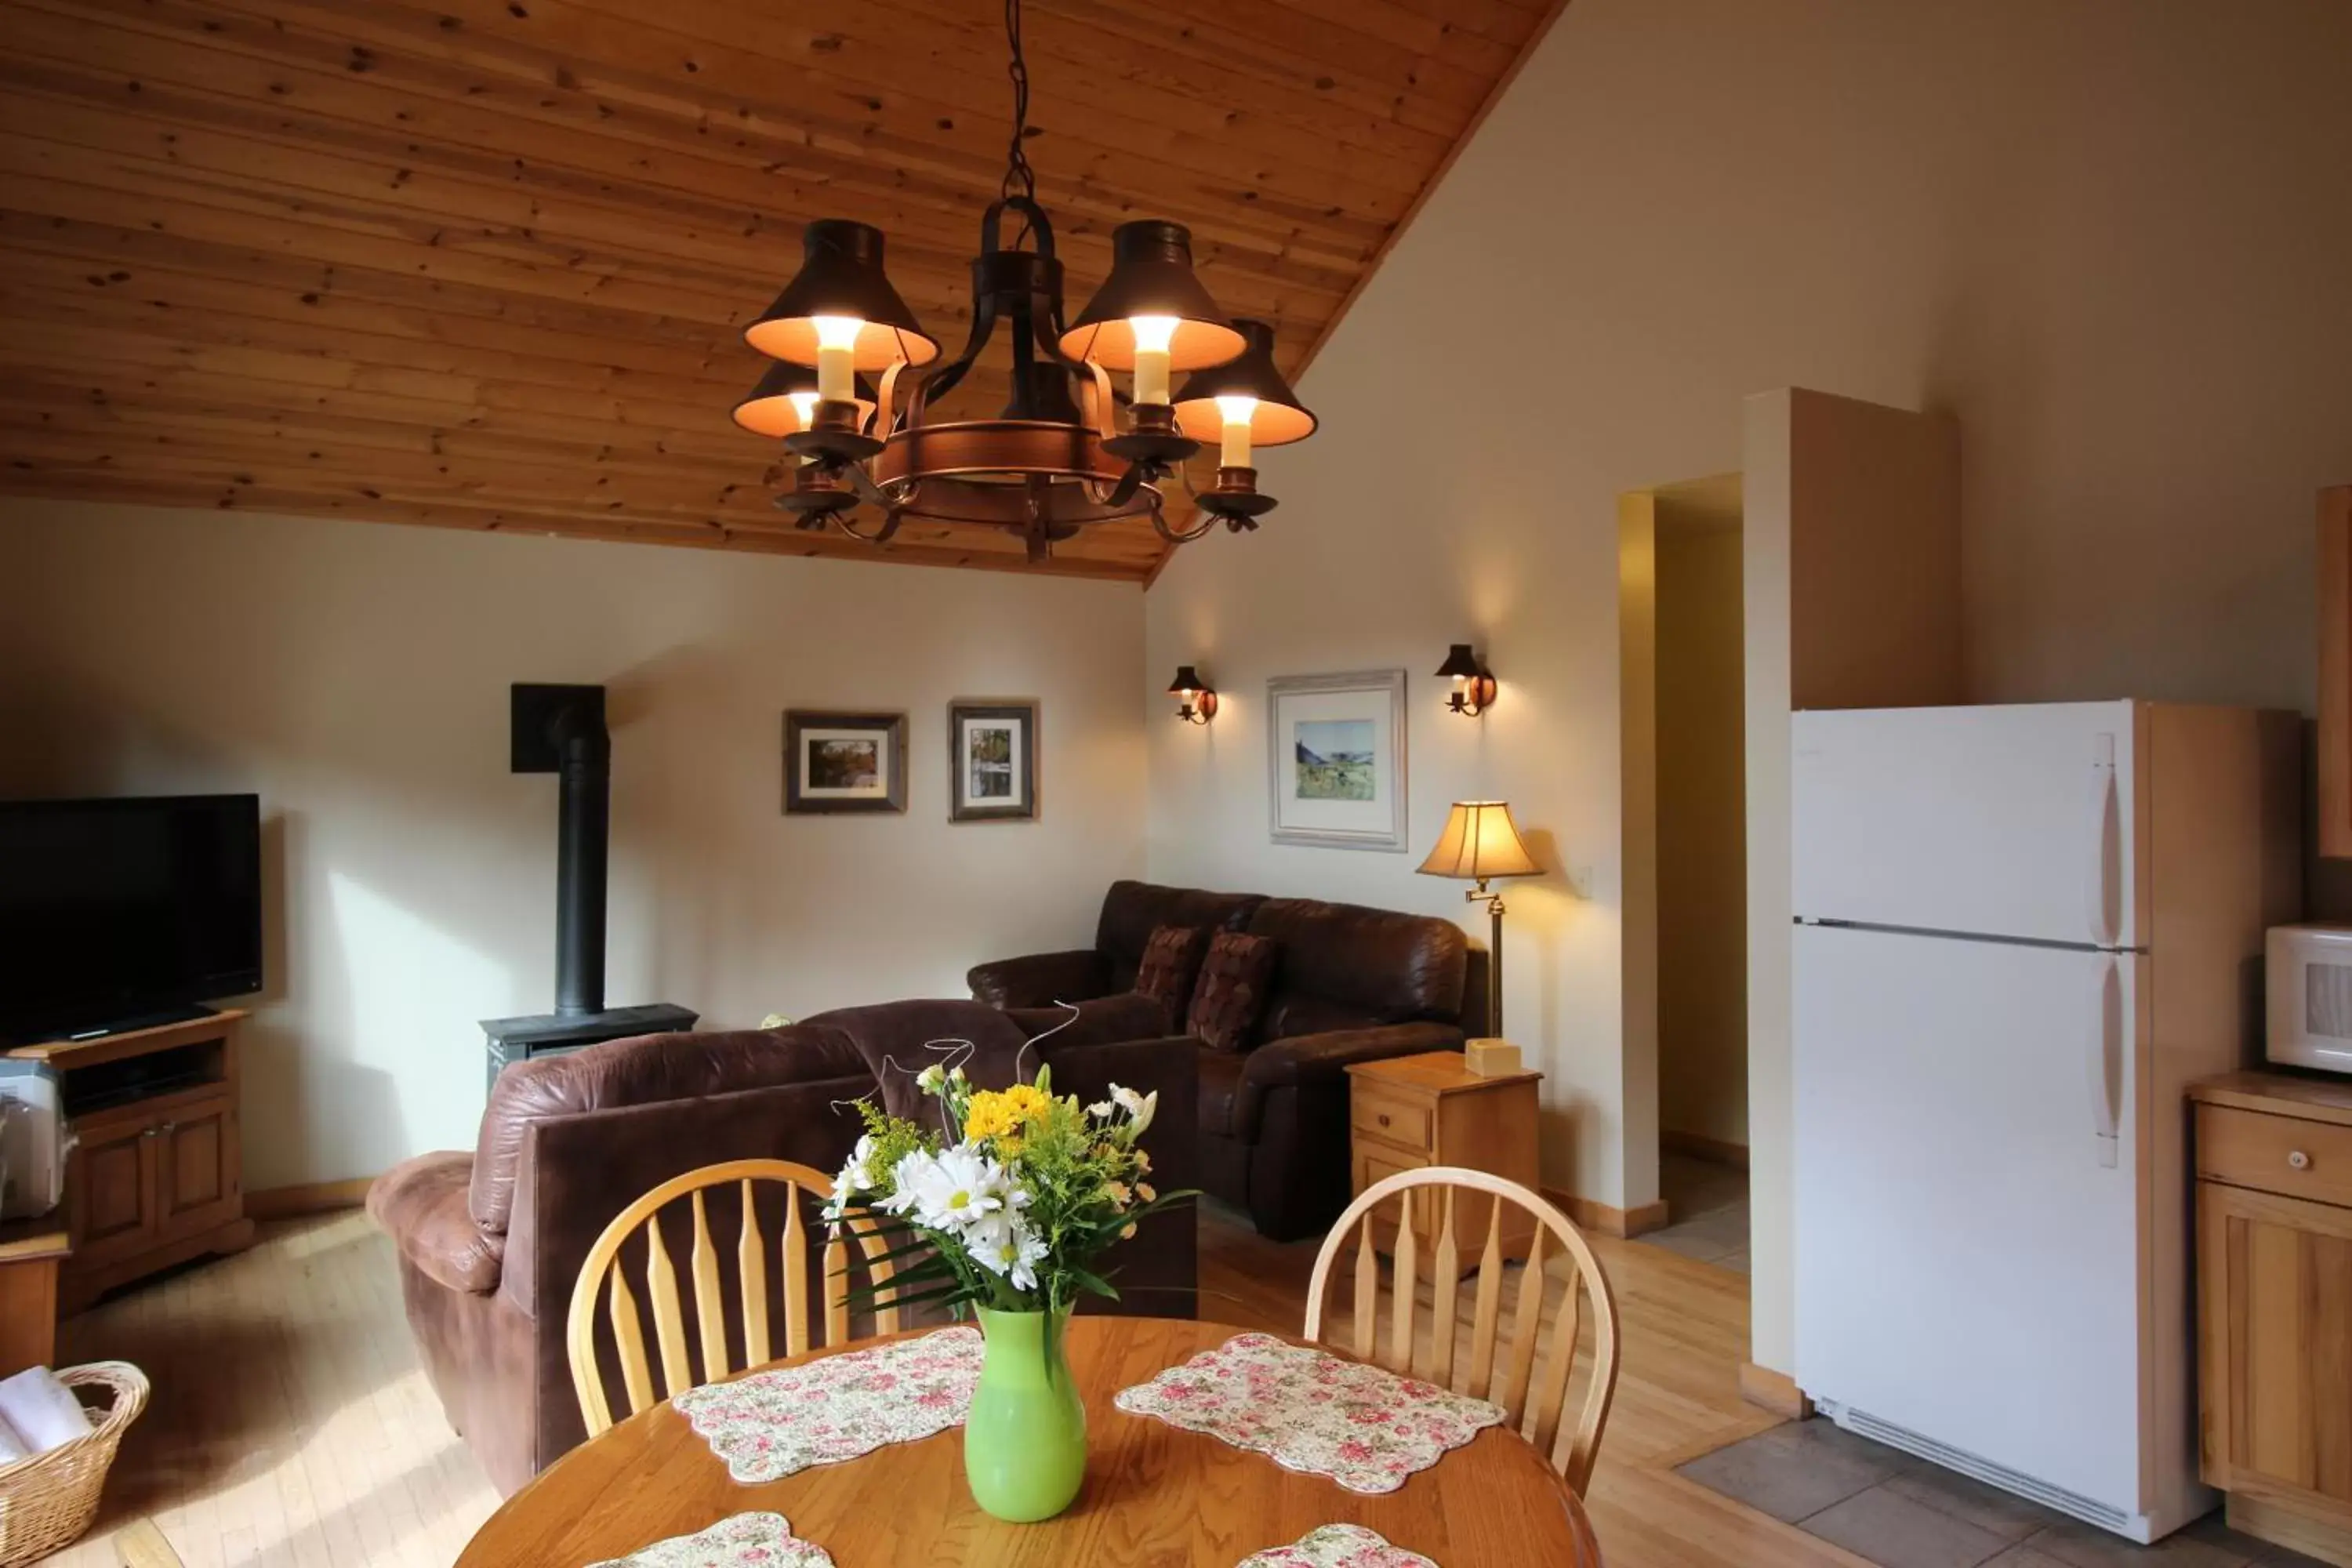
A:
x,y
956,1188
858,1178
1004,1245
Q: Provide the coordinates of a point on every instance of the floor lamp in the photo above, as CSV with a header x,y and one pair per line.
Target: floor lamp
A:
x,y
1480,843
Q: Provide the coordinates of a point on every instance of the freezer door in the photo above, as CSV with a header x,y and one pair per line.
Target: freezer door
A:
x,y
1966,1242
2001,821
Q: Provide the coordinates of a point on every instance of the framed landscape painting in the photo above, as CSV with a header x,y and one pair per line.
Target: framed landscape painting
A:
x,y
992,762
843,762
1335,759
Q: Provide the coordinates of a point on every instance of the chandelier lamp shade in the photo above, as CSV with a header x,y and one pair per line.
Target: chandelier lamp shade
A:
x,y
1072,447
785,400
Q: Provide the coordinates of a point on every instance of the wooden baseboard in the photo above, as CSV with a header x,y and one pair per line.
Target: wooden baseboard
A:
x,y
1699,1146
311,1197
2284,1526
1608,1221
1773,1391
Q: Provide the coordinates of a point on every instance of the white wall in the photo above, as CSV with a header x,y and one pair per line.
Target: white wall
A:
x,y
2108,236
357,675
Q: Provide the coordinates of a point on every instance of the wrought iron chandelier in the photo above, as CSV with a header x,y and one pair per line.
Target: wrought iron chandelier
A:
x,y
1060,457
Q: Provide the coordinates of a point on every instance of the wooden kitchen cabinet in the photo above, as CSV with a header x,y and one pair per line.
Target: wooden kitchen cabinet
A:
x,y
2336,671
2275,1291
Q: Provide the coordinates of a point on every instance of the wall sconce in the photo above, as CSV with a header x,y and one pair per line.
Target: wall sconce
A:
x,y
1196,702
1474,689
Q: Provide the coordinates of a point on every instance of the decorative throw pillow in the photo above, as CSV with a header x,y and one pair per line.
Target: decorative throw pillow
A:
x,y
1170,963
1235,978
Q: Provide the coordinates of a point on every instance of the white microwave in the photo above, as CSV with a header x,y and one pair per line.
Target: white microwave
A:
x,y
2307,974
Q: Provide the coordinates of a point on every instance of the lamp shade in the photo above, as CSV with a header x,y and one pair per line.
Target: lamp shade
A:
x,y
1461,664
1152,275
1480,841
1278,417
771,410
841,275
1187,679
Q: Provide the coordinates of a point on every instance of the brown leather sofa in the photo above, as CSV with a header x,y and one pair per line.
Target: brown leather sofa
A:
x,y
1350,984
490,1242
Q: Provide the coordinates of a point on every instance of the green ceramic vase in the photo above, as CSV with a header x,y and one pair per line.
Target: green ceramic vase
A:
x,y
1024,1447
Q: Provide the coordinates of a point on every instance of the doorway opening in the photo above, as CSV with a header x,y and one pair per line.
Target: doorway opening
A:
x,y
1681,572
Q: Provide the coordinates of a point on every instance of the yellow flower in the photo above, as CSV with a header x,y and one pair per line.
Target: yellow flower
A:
x,y
1005,1114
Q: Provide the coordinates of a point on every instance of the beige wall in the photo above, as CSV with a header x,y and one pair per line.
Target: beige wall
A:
x,y
1702,828
2107,237
356,676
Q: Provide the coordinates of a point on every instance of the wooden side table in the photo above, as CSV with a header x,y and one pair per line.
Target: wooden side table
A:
x,y
1428,1110
30,1253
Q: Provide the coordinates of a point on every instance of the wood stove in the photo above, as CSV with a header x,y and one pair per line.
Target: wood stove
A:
x,y
560,729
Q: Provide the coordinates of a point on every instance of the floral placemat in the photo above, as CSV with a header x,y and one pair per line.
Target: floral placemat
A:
x,y
746,1541
1339,1546
772,1424
1306,1410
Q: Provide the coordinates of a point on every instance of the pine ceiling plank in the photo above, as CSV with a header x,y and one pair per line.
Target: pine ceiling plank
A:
x,y
420,102
517,207
928,50
485,263
624,55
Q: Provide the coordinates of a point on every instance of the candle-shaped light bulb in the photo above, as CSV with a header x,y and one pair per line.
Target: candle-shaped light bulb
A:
x,y
836,357
1236,412
1152,336
803,407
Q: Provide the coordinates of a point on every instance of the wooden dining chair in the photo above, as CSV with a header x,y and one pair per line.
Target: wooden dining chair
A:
x,y
1531,1387
601,1274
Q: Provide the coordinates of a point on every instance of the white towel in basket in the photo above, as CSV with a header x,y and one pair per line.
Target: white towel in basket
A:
x,y
39,1412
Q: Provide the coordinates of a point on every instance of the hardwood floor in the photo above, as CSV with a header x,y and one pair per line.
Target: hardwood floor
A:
x,y
291,1425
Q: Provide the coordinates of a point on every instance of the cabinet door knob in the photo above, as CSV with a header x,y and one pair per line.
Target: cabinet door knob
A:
x,y
2297,1160
1384,1121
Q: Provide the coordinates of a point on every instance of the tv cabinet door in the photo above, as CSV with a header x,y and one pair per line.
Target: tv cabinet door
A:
x,y
111,1191
196,1167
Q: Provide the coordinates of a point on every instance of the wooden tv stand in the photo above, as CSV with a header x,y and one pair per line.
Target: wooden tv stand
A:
x,y
157,1178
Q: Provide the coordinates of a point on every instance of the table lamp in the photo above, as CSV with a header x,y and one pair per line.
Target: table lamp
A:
x,y
1481,842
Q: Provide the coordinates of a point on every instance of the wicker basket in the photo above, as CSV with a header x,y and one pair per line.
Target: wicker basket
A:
x,y
48,1501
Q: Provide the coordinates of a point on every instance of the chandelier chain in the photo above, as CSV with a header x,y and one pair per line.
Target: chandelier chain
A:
x,y
1018,177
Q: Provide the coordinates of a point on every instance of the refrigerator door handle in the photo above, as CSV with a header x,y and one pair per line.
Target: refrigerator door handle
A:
x,y
2099,890
2105,1056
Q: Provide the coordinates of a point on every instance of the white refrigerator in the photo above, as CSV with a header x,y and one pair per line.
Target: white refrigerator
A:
x,y
2021,931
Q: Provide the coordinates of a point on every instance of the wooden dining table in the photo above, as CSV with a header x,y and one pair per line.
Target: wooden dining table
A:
x,y
1155,1495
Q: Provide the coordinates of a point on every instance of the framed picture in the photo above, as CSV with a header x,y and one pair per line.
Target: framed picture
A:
x,y
1335,759
992,762
843,762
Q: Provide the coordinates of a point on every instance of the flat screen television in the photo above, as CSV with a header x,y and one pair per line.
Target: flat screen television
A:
x,y
114,912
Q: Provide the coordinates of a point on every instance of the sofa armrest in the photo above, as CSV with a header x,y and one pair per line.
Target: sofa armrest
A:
x,y
1039,979
422,1204
1325,1057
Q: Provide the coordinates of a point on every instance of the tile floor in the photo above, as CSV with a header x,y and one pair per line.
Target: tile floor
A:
x,y
1708,1205
1900,1513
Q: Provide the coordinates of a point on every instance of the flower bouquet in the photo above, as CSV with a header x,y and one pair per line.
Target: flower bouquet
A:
x,y
1007,1209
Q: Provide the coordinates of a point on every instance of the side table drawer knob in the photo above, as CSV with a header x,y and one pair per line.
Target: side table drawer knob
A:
x,y
2297,1160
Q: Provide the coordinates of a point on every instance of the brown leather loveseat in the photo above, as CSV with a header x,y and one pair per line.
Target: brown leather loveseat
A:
x,y
1349,984
490,1242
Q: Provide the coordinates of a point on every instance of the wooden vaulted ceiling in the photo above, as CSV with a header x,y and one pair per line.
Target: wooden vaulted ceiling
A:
x,y
485,263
